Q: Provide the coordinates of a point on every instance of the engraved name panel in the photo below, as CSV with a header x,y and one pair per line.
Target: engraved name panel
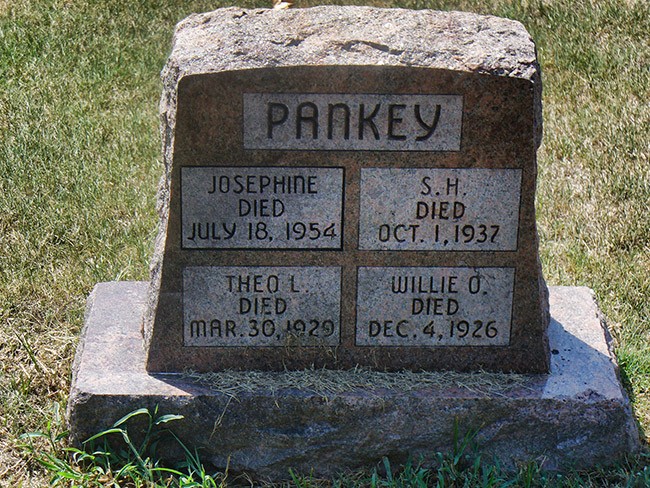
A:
x,y
434,306
389,122
415,209
227,306
261,207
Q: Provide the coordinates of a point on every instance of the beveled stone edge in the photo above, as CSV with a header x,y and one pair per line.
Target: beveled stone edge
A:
x,y
177,395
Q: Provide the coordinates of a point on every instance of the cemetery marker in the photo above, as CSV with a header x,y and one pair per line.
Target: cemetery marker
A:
x,y
352,188
363,209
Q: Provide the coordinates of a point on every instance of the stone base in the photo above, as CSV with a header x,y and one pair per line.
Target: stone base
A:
x,y
265,423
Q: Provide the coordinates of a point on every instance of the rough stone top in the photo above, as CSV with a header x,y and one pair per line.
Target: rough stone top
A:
x,y
234,38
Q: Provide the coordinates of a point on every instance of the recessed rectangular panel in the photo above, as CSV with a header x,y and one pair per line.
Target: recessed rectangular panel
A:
x,y
434,306
422,209
352,121
261,207
226,306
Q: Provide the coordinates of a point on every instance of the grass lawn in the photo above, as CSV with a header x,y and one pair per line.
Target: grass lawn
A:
x,y
80,161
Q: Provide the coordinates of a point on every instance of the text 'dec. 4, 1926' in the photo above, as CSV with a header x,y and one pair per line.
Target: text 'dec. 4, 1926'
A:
x,y
434,306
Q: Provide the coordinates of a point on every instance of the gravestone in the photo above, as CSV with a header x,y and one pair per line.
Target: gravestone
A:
x,y
360,194
347,209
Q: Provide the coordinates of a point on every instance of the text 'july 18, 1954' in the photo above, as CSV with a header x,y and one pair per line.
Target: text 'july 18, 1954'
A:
x,y
278,306
261,207
439,209
434,306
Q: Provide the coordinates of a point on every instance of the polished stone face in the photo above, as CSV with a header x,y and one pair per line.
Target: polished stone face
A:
x,y
418,209
347,121
241,207
381,163
230,306
433,307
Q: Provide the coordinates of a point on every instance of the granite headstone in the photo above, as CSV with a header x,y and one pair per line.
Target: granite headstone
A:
x,y
349,190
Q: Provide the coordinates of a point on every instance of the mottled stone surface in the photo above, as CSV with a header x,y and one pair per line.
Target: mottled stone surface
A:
x,y
480,292
480,212
452,100
574,417
294,293
237,217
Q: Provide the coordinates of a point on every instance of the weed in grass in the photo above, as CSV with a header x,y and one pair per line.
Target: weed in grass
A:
x,y
106,462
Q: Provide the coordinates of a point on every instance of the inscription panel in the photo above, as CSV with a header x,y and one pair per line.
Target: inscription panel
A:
x,y
434,306
417,209
261,207
348,121
227,306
